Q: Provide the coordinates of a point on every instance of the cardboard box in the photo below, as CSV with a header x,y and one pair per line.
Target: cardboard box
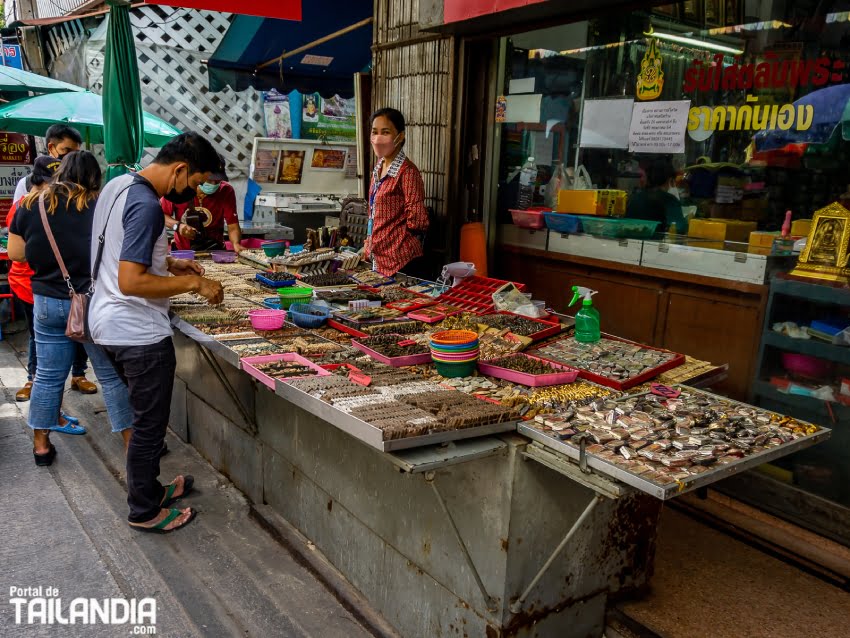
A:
x,y
601,202
763,239
801,227
721,229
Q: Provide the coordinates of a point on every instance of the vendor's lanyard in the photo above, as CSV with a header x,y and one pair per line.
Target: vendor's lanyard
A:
x,y
373,195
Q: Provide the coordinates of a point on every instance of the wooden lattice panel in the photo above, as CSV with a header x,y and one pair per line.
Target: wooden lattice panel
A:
x,y
171,45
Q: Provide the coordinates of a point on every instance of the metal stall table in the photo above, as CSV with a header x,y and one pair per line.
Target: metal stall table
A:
x,y
495,535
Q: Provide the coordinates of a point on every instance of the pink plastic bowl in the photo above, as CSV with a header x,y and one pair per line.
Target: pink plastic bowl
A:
x,y
806,366
267,318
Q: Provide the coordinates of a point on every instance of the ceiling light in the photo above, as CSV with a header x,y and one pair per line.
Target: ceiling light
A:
x,y
702,44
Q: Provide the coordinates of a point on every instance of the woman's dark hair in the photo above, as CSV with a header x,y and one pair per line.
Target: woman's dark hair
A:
x,y
193,149
77,179
393,115
660,172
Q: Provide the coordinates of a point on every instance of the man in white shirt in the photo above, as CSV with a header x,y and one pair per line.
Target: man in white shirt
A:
x,y
61,139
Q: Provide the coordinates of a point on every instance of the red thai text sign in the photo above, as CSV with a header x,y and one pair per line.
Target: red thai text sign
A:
x,y
283,9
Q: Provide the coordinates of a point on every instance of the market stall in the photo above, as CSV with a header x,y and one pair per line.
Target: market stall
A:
x,y
521,495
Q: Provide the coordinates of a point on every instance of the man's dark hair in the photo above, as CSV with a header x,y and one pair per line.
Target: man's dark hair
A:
x,y
393,115
660,172
192,148
59,132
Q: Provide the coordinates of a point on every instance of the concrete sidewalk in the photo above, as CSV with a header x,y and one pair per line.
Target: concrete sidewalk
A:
x,y
65,527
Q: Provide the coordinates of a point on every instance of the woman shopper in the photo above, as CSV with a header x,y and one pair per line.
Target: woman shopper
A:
x,y
398,218
19,281
68,203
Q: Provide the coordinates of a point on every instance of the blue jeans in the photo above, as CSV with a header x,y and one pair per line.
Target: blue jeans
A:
x,y
56,354
80,360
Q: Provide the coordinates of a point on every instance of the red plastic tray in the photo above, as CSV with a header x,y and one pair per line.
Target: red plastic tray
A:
x,y
492,284
266,380
417,314
568,375
410,305
396,362
675,362
469,302
354,332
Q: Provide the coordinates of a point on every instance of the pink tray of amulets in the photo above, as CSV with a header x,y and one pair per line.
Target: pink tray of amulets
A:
x,y
249,363
566,374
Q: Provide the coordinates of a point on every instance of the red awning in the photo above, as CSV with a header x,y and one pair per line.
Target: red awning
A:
x,y
283,9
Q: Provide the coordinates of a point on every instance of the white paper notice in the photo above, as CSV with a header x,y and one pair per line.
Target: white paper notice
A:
x,y
659,127
521,85
523,108
605,123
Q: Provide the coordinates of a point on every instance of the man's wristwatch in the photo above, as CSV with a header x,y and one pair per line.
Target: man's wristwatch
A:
x,y
176,227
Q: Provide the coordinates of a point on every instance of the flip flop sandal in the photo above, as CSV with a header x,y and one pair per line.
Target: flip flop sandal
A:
x,y
159,528
70,419
45,460
70,428
169,498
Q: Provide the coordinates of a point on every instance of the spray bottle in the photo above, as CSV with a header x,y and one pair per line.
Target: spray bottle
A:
x,y
587,318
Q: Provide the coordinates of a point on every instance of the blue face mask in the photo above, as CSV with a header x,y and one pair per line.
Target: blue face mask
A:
x,y
209,189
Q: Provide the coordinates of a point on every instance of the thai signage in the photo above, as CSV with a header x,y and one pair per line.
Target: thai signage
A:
x,y
15,149
457,10
650,81
769,74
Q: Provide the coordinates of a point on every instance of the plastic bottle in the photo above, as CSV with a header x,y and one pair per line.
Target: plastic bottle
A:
x,y
587,318
527,177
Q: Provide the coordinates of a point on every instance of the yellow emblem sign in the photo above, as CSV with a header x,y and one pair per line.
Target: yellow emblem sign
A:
x,y
650,80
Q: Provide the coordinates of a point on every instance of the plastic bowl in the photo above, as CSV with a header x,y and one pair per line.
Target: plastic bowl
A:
x,y
274,249
461,358
223,256
461,347
183,254
454,370
272,302
267,318
804,365
294,294
302,315
454,337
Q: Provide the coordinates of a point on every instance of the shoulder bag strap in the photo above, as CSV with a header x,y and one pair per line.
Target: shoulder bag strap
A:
x,y
53,245
101,239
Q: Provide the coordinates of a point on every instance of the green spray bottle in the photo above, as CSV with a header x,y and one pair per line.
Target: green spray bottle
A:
x,y
587,318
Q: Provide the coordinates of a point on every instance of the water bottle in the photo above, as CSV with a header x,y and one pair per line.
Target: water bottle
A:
x,y
527,177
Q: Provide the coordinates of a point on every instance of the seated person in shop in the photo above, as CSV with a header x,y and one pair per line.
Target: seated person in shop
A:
x,y
198,223
659,200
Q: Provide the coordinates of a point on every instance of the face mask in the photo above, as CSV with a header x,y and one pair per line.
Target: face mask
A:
x,y
209,189
383,146
181,197
674,192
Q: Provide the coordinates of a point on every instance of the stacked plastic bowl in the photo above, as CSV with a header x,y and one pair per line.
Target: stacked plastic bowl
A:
x,y
455,352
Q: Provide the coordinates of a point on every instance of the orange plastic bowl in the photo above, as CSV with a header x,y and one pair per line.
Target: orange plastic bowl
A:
x,y
454,337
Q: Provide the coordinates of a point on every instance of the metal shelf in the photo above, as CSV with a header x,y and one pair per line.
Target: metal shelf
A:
x,y
839,354
814,292
804,407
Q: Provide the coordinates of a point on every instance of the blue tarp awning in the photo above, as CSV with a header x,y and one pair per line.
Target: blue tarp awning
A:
x,y
328,68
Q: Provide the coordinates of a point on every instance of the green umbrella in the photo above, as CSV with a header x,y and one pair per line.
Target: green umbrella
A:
x,y
82,110
122,97
17,81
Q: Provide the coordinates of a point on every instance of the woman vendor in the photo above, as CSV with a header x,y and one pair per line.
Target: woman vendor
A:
x,y
659,201
198,223
398,218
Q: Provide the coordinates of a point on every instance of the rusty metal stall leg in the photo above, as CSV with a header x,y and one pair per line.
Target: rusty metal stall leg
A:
x,y
516,607
491,602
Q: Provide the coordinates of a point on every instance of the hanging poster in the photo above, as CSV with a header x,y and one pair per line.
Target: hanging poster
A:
x,y
276,109
265,166
291,167
328,159
331,119
659,127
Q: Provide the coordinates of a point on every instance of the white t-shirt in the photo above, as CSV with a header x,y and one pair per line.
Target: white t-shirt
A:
x,y
135,232
21,189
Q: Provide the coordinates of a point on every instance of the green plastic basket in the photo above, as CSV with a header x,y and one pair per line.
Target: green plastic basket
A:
x,y
453,370
294,294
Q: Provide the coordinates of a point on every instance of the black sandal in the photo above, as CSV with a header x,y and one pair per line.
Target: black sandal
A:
x,y
169,498
46,459
159,528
